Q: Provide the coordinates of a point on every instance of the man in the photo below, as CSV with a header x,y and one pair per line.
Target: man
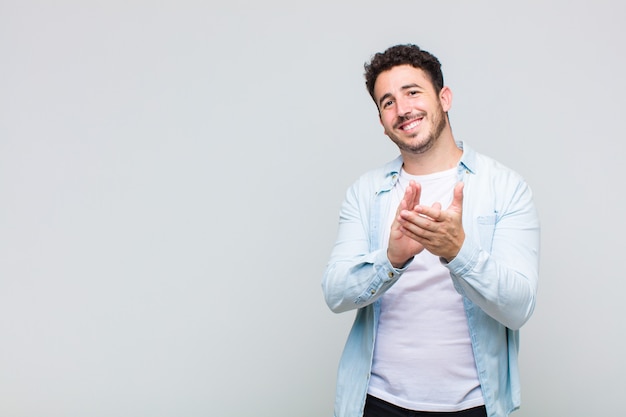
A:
x,y
438,251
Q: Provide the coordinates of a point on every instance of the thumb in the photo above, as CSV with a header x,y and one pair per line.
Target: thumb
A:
x,y
457,199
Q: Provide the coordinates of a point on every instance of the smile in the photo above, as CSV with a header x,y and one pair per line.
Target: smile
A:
x,y
412,125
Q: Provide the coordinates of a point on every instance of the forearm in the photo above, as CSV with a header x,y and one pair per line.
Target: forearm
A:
x,y
358,281
502,281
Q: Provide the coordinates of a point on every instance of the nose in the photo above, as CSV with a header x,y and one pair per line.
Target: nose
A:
x,y
403,106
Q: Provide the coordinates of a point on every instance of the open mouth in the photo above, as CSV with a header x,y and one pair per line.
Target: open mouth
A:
x,y
412,124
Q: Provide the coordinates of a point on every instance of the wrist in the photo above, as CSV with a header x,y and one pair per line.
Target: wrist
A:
x,y
397,263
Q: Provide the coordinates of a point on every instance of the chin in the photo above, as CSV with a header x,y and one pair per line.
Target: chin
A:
x,y
417,146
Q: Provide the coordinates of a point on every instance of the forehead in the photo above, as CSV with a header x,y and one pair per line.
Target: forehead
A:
x,y
394,79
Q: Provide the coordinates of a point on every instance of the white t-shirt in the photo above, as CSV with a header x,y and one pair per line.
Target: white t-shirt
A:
x,y
423,357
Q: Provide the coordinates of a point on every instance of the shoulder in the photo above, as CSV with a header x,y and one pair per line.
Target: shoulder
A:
x,y
493,186
488,168
380,177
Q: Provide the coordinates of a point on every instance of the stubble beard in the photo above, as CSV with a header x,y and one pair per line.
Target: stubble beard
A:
x,y
427,143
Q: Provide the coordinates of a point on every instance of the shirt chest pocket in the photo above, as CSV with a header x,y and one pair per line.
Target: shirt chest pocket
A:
x,y
486,226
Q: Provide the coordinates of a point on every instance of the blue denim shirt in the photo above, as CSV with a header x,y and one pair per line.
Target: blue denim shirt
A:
x,y
496,272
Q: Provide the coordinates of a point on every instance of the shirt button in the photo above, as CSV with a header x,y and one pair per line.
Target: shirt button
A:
x,y
372,292
390,274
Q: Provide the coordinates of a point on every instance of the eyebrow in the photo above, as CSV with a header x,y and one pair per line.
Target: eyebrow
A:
x,y
404,87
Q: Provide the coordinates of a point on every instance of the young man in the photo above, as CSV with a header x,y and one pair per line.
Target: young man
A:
x,y
438,251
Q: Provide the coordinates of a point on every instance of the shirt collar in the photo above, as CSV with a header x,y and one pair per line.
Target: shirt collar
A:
x,y
467,162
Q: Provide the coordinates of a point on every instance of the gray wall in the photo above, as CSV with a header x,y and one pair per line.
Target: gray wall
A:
x,y
171,174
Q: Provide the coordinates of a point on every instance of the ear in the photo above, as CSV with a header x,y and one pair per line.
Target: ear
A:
x,y
445,96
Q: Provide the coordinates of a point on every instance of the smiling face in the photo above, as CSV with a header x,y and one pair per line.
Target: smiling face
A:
x,y
411,111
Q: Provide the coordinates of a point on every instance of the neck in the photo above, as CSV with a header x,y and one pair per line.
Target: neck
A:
x,y
443,155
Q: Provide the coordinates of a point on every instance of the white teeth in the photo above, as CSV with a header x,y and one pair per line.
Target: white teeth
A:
x,y
411,125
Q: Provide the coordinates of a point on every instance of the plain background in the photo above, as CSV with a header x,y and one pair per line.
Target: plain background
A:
x,y
171,174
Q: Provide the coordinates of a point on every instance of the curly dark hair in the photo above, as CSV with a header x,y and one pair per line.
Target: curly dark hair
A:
x,y
407,54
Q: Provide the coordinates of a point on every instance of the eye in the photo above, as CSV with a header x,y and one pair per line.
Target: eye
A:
x,y
387,103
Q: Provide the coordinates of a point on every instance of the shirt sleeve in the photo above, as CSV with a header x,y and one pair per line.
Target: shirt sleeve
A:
x,y
497,266
356,275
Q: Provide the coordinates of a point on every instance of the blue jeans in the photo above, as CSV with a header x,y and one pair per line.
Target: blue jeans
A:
x,y
375,407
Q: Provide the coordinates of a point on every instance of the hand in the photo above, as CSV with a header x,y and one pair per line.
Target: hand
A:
x,y
439,231
403,247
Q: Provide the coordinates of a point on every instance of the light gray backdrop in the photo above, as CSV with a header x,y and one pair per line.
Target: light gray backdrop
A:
x,y
171,174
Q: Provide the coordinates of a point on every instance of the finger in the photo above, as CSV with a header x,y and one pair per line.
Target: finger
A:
x,y
433,213
417,193
457,199
421,236
418,223
406,201
409,193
